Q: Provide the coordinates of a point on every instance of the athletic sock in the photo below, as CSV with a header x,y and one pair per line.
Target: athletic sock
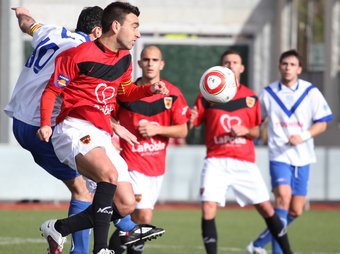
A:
x,y
115,244
79,221
279,232
136,248
266,237
125,224
80,239
102,211
283,214
263,239
209,235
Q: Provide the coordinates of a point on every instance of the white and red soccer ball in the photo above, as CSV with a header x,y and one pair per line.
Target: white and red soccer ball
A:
x,y
218,84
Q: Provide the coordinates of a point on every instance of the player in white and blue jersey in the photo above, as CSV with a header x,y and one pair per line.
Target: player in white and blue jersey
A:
x,y
296,112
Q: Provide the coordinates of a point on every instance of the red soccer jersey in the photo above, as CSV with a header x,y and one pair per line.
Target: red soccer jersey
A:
x,y
89,77
149,156
243,109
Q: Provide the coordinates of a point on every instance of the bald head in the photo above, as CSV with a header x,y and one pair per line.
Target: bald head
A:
x,y
151,49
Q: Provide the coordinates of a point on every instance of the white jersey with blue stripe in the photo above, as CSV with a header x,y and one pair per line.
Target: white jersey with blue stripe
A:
x,y
291,111
48,42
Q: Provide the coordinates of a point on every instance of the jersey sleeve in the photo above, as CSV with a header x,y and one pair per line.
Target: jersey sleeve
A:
x,y
65,70
320,108
41,32
181,110
129,91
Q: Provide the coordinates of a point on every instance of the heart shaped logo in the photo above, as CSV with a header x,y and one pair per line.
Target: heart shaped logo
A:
x,y
228,121
104,93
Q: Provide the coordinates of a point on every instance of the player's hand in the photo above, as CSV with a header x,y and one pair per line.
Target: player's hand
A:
x,y
193,115
148,129
44,133
295,140
239,130
124,133
159,88
21,11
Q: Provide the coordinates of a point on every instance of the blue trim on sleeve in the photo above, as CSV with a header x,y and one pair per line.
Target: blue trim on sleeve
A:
x,y
324,119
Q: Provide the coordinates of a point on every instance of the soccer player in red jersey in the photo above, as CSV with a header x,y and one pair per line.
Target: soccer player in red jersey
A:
x,y
230,161
153,120
89,78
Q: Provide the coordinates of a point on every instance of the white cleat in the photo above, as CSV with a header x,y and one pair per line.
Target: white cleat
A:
x,y
106,251
54,239
251,249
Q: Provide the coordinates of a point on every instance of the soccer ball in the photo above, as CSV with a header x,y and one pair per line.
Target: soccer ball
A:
x,y
218,84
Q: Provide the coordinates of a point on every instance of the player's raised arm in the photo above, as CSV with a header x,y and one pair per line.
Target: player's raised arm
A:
x,y
25,19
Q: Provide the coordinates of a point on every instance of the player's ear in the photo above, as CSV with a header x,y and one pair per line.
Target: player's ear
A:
x,y
242,68
299,71
161,67
139,63
115,26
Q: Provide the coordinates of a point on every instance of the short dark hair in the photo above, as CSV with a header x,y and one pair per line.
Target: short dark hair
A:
x,y
229,52
89,18
291,52
117,11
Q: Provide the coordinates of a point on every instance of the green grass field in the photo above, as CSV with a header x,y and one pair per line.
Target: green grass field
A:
x,y
316,232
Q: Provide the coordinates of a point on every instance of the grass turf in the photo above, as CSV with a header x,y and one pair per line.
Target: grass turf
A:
x,y
316,232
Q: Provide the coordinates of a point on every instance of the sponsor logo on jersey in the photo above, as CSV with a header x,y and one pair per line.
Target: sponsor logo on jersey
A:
x,y
250,101
104,95
185,110
149,147
226,139
168,102
62,81
86,140
227,122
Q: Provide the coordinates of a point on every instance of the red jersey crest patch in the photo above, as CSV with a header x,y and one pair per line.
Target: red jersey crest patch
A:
x,y
86,139
250,101
168,102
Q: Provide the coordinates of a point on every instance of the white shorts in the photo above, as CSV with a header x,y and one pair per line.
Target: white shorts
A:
x,y
74,136
244,178
146,189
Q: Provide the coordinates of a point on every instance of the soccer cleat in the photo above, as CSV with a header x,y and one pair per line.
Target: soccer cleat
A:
x,y
251,249
106,251
140,232
54,239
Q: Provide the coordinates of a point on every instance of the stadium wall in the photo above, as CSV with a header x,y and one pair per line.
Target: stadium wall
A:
x,y
22,179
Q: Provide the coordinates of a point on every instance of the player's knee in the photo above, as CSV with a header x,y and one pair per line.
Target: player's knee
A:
x,y
126,206
293,212
108,174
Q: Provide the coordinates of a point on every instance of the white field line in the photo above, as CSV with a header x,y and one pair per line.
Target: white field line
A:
x,y
19,240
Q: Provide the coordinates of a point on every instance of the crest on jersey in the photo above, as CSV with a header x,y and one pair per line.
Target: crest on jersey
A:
x,y
86,140
62,81
168,102
250,101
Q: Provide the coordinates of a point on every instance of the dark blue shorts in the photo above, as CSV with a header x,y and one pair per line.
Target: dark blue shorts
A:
x,y
42,152
297,177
